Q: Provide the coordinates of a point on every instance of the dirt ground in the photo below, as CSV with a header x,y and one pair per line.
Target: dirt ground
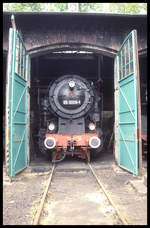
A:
x,y
19,196
75,197
130,201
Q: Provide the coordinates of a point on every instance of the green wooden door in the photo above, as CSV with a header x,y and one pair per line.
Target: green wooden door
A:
x,y
127,104
16,105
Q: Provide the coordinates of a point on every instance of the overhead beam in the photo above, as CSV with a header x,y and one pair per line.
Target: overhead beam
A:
x,y
64,56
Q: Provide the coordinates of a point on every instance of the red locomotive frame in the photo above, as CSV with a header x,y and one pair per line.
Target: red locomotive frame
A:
x,y
81,143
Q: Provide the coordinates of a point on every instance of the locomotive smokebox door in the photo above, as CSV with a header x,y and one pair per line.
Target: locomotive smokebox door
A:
x,y
17,111
71,96
127,106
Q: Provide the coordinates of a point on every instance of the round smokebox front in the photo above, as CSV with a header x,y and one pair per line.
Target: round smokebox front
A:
x,y
71,96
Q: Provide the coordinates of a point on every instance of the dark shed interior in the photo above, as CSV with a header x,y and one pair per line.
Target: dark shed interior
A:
x,y
47,68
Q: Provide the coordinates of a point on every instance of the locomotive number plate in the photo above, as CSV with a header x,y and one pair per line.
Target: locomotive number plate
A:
x,y
71,102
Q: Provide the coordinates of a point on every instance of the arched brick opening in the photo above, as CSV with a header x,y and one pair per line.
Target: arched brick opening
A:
x,y
42,50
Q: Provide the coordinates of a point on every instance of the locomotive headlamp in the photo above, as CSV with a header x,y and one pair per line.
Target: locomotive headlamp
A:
x,y
50,142
92,126
71,84
51,127
94,142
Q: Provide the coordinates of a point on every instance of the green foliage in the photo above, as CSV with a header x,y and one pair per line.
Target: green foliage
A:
x,y
61,7
122,8
127,8
90,7
22,7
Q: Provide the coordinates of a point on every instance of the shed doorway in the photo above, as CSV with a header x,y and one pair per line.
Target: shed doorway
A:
x,y
47,67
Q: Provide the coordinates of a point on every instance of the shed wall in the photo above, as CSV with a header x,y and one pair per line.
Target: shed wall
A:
x,y
104,31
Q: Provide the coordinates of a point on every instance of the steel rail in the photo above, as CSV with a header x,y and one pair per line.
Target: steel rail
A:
x,y
37,216
39,211
123,220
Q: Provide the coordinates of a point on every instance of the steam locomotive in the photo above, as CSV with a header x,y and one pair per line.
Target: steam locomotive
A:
x,y
71,118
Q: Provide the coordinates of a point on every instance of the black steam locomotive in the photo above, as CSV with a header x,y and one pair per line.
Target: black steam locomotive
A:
x,y
71,118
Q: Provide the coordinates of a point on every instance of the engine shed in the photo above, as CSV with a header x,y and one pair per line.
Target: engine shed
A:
x,y
81,44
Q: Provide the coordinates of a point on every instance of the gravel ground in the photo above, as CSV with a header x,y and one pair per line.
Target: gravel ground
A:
x,y
76,199
132,204
74,196
20,196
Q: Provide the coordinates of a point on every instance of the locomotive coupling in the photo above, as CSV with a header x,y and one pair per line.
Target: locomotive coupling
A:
x,y
50,142
94,142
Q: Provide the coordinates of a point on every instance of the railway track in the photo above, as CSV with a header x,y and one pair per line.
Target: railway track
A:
x,y
122,220
39,211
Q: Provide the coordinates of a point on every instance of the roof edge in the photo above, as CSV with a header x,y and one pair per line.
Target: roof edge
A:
x,y
73,14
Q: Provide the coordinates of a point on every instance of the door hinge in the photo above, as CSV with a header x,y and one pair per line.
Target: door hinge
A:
x,y
137,133
29,90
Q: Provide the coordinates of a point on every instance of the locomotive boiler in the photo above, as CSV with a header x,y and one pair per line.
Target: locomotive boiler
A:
x,y
71,117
